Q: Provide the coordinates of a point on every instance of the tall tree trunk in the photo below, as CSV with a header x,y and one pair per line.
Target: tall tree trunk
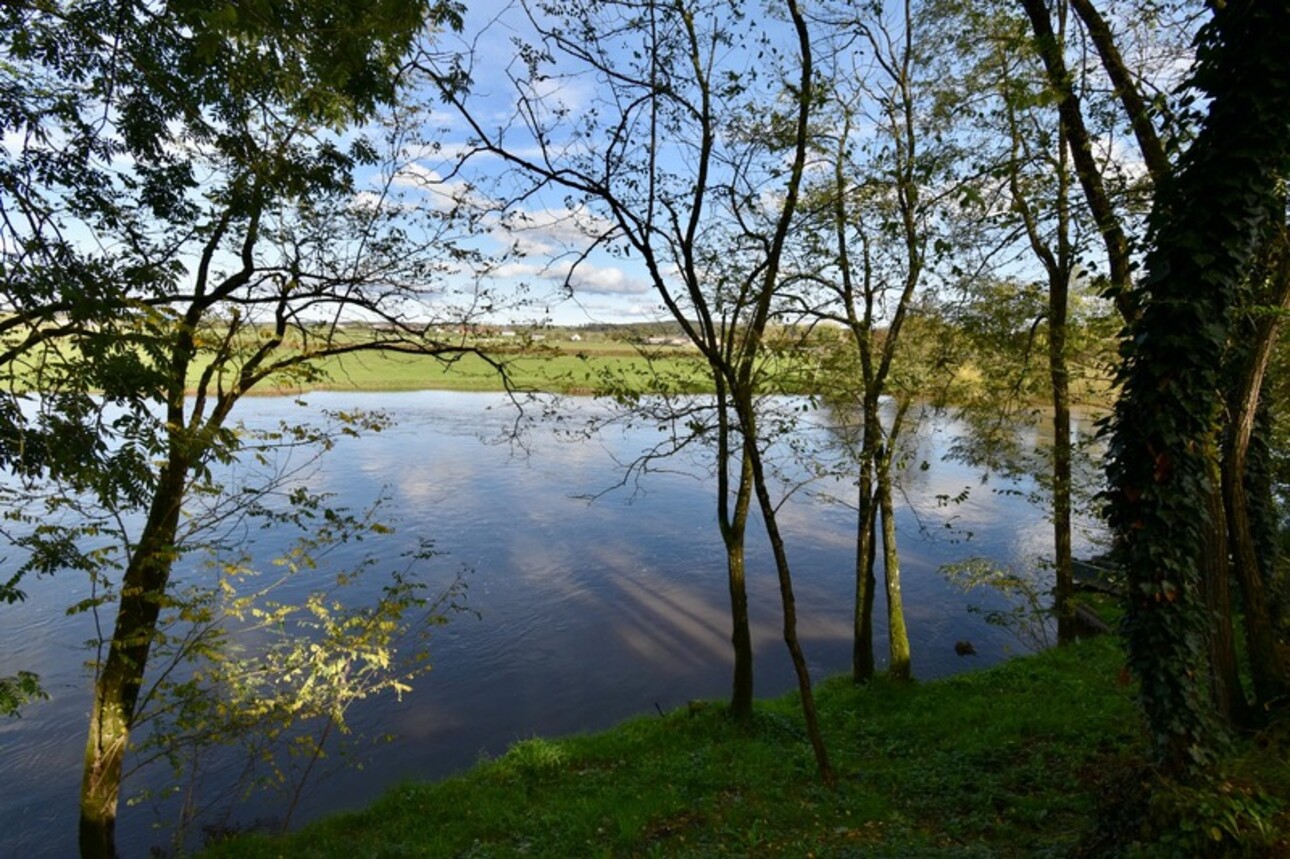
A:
x,y
732,532
1059,375
1058,264
897,636
862,655
116,688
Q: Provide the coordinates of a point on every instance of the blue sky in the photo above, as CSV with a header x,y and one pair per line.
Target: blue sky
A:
x,y
542,234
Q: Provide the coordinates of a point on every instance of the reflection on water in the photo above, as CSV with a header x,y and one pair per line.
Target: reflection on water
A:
x,y
588,613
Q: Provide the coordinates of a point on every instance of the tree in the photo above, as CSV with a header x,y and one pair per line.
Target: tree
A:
x,y
1230,542
692,163
1210,221
873,221
1251,511
183,221
1038,125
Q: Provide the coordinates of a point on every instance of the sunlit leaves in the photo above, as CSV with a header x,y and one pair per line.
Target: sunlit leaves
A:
x,y
248,663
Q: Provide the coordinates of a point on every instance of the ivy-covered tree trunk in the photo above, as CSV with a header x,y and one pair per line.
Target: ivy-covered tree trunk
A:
x,y
116,688
1209,223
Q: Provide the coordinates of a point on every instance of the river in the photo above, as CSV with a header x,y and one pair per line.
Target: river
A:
x,y
587,612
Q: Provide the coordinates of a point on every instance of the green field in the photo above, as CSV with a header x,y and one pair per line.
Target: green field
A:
x,y
562,367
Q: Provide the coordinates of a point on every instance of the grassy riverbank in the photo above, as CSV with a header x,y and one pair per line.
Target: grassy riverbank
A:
x,y
1032,758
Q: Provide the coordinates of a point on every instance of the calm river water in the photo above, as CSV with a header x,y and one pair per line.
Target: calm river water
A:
x,y
588,612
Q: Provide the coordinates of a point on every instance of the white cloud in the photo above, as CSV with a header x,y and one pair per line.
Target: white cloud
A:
x,y
634,310
550,232
442,153
561,94
586,278
442,194
608,280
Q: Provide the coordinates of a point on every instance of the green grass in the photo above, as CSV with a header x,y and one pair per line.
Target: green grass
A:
x,y
1019,760
557,367
553,366
556,371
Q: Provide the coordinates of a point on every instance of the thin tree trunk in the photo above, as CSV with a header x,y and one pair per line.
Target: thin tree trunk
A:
x,y
741,696
733,525
1267,669
897,635
1126,89
1058,266
1081,148
748,423
1059,374
116,688
862,649
789,604
1263,516
862,657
